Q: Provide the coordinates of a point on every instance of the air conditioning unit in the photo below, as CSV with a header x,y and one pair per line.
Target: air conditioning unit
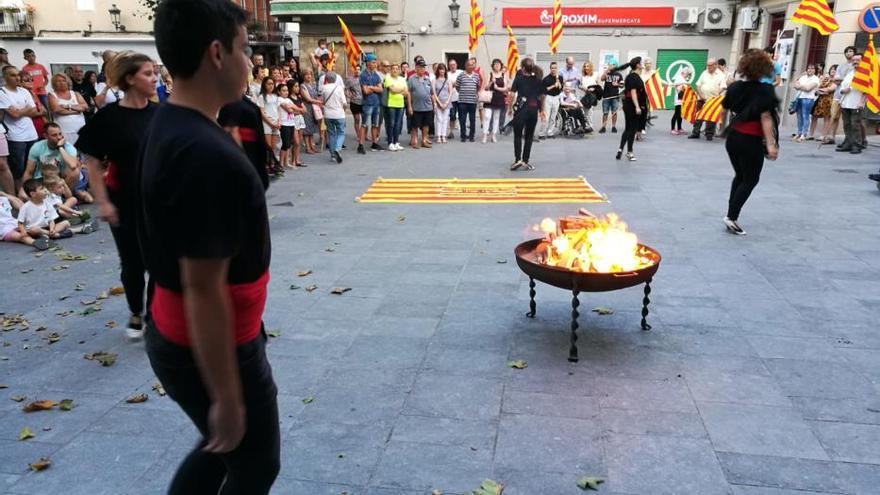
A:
x,y
686,16
749,17
718,17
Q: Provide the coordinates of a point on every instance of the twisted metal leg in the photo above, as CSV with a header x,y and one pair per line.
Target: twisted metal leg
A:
x,y
532,305
573,351
645,302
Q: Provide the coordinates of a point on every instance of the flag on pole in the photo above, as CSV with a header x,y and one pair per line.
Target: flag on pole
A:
x,y
352,47
689,104
867,76
711,111
556,26
331,54
816,14
512,52
656,92
476,27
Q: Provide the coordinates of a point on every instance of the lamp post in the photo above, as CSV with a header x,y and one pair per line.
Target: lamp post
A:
x,y
454,7
115,14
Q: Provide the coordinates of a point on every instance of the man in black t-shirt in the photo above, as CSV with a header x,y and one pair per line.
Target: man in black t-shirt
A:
x,y
244,122
553,84
611,99
204,230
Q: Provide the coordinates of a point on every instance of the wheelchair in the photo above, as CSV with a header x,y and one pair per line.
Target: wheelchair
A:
x,y
568,124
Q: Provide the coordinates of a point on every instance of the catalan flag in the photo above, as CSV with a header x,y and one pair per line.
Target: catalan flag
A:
x,y
816,14
512,52
352,47
867,76
711,111
481,191
331,53
656,93
556,26
476,27
689,104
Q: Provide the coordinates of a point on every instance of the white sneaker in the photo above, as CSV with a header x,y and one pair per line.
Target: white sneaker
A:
x,y
135,329
494,138
733,227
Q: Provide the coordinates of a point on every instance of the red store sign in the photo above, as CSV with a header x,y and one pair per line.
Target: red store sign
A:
x,y
589,16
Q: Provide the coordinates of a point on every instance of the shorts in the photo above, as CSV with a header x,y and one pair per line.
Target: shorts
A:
x,y
4,145
83,183
286,137
18,153
5,232
356,108
610,105
299,122
371,116
270,131
421,119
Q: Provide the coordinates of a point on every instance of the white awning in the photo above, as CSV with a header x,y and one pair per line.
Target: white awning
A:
x,y
11,4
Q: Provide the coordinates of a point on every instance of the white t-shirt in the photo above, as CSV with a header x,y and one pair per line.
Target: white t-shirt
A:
x,y
269,104
8,222
113,95
806,80
22,128
453,76
854,99
53,200
287,118
37,215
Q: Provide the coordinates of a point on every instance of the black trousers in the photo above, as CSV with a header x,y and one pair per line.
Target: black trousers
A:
x,y
676,118
252,467
747,157
698,125
524,128
467,112
133,267
633,124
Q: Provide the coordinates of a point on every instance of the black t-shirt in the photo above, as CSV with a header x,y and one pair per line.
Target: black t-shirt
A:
x,y
634,82
548,81
529,87
611,79
86,90
751,99
246,115
201,198
116,133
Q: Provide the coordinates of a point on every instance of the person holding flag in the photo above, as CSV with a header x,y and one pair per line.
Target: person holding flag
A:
x,y
680,83
852,109
711,83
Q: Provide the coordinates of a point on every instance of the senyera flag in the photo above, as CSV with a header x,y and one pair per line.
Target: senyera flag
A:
x,y
689,104
556,26
816,14
352,47
867,76
512,52
711,111
476,27
656,92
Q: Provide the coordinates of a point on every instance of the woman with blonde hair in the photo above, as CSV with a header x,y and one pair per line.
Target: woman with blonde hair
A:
x,y
68,107
589,79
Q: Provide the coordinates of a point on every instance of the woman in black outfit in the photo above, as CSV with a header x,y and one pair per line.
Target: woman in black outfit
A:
x,y
635,103
527,103
753,131
111,142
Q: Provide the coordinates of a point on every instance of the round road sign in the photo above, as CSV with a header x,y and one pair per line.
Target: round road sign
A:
x,y
869,19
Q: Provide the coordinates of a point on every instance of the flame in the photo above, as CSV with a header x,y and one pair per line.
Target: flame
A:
x,y
589,244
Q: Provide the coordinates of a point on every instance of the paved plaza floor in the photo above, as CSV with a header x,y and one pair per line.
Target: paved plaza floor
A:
x,y
761,375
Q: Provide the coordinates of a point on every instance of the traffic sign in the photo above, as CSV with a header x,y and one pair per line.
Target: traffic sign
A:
x,y
869,19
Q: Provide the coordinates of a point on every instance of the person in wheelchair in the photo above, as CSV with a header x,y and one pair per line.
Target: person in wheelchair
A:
x,y
574,121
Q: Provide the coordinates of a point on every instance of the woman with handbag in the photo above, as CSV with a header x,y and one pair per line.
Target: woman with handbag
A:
x,y
527,95
753,132
492,97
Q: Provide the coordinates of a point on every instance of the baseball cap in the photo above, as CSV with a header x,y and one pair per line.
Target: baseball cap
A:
x,y
370,57
421,63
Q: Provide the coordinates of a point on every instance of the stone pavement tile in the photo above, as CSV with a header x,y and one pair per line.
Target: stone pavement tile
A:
x,y
419,466
789,326
7,480
724,364
130,420
392,491
95,463
385,326
782,472
859,478
610,360
697,340
65,425
445,431
549,444
817,349
862,335
739,388
761,490
464,361
484,335
158,477
859,289
828,305
347,306
633,422
384,353
287,486
426,273
455,397
694,315
862,410
15,455
355,403
554,405
654,395
530,482
760,430
297,376
864,360
415,301
311,451
849,442
829,381
663,465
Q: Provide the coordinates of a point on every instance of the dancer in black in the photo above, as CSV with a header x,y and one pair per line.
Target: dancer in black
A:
x,y
527,104
635,103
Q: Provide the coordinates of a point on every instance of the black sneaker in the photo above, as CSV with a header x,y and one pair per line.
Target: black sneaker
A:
x,y
361,150
614,130
463,140
41,243
733,227
618,155
709,138
602,130
855,151
471,139
338,157
693,136
135,328
376,147
874,177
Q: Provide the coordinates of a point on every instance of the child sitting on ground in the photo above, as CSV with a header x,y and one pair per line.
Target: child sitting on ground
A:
x,y
36,218
9,225
64,202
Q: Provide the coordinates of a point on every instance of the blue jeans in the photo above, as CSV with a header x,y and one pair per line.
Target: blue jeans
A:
x,y
370,116
395,123
804,111
467,112
335,133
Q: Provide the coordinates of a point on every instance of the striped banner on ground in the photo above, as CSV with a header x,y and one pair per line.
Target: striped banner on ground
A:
x,y
486,191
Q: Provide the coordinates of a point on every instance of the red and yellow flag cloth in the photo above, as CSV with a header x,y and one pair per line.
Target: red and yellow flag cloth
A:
x,y
816,14
689,104
556,26
352,47
481,191
867,77
512,52
656,92
711,111
476,27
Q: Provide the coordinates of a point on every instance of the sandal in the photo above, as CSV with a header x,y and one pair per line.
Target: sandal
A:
x,y
41,243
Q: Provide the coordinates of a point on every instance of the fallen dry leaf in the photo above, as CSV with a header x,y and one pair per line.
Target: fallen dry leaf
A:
x,y
274,333
340,290
65,313
436,492
518,364
18,398
110,324
79,287
329,249
105,358
294,287
304,273
88,302
102,296
602,310
90,310
2,386
401,219
308,400
137,399
589,483
311,288
65,256
117,291
27,270
25,434
42,464
66,405
12,322
65,296
40,405
501,261
489,487
53,337
58,268
159,389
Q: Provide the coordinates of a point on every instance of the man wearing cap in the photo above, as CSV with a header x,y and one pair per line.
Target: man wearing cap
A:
x,y
371,87
420,105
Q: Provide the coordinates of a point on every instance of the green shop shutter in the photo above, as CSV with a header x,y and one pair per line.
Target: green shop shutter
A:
x,y
669,62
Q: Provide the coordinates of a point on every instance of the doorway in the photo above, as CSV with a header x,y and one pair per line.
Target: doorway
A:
x,y
460,58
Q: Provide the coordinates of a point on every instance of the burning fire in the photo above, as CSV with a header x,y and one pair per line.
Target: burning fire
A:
x,y
591,244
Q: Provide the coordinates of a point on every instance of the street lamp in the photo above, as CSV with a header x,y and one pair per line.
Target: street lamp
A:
x,y
453,13
115,14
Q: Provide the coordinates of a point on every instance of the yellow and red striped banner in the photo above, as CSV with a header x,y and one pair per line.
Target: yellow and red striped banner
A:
x,y
331,53
556,26
711,111
689,104
481,191
476,27
816,14
656,92
867,76
352,47
512,52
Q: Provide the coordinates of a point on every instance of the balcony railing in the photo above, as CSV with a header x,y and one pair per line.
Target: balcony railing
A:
x,y
324,10
16,24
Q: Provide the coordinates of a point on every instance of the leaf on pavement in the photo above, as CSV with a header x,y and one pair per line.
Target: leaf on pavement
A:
x,y
590,483
294,287
308,400
18,398
110,324
159,389
117,290
27,270
340,290
66,405
65,296
311,288
58,268
519,364
489,487
90,310
65,256
501,261
105,358
40,405
38,255
12,322
102,296
304,273
436,492
602,310
329,249
340,455
53,337
25,434
274,333
42,464
87,302
137,399
2,386
65,313
401,219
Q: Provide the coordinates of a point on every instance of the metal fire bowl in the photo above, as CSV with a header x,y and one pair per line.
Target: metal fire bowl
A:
x,y
527,259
